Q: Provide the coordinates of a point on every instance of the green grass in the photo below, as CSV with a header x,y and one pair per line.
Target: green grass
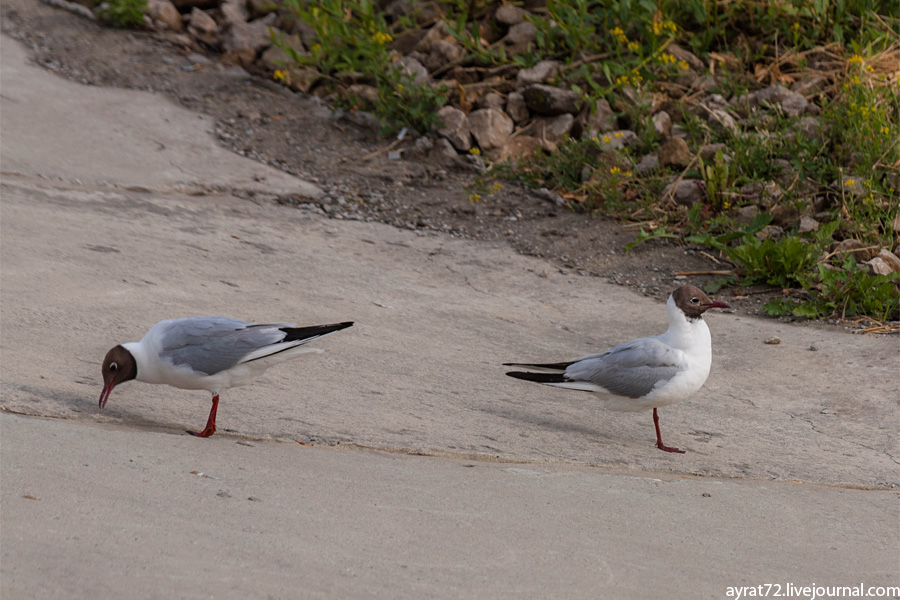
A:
x,y
352,39
124,13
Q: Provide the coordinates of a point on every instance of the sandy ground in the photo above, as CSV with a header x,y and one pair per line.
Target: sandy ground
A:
x,y
118,210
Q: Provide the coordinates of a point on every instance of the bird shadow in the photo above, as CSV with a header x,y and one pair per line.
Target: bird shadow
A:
x,y
546,422
53,402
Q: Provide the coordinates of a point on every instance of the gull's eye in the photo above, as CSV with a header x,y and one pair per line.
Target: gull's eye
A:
x,y
694,300
113,366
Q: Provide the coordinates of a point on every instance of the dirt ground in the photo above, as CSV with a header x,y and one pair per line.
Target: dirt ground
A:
x,y
262,120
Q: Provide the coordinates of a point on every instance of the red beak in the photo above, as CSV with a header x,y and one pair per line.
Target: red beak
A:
x,y
104,395
716,305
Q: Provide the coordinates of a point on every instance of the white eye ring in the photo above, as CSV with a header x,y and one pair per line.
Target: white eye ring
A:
x,y
695,300
113,366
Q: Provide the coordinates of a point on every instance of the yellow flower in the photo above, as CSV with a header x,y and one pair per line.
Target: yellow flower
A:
x,y
886,130
622,80
615,171
683,64
664,26
634,46
618,134
279,75
856,58
870,68
474,198
796,26
850,182
474,151
381,37
627,173
606,139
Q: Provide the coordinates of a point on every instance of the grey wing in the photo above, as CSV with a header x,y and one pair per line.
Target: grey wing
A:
x,y
632,369
212,344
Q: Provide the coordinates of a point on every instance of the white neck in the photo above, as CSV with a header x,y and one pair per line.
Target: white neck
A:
x,y
145,370
691,336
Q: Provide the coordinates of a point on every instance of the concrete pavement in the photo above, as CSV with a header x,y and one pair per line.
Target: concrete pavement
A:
x,y
99,241
129,513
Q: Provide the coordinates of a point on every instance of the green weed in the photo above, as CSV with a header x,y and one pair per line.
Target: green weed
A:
x,y
124,13
352,38
782,263
718,180
847,291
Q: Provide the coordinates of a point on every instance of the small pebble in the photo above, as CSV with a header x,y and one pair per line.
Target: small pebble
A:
x,y
812,348
773,341
707,495
254,499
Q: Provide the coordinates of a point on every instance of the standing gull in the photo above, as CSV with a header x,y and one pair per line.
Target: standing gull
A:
x,y
207,353
645,373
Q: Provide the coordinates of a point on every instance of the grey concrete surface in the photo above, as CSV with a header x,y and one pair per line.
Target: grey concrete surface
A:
x,y
128,513
127,138
89,260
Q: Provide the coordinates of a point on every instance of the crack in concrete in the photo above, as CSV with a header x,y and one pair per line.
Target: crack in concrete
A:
x,y
813,427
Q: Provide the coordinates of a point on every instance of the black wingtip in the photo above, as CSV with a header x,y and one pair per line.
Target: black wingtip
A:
x,y
538,377
316,331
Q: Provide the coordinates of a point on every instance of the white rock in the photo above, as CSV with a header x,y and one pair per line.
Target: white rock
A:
x,y
540,72
662,123
455,127
516,108
202,26
552,129
687,192
808,224
508,14
490,128
166,13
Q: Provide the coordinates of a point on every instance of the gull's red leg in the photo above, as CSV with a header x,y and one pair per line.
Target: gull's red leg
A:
x,y
211,421
659,443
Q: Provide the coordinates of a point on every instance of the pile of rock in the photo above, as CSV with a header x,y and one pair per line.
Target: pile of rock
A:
x,y
507,112
239,29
